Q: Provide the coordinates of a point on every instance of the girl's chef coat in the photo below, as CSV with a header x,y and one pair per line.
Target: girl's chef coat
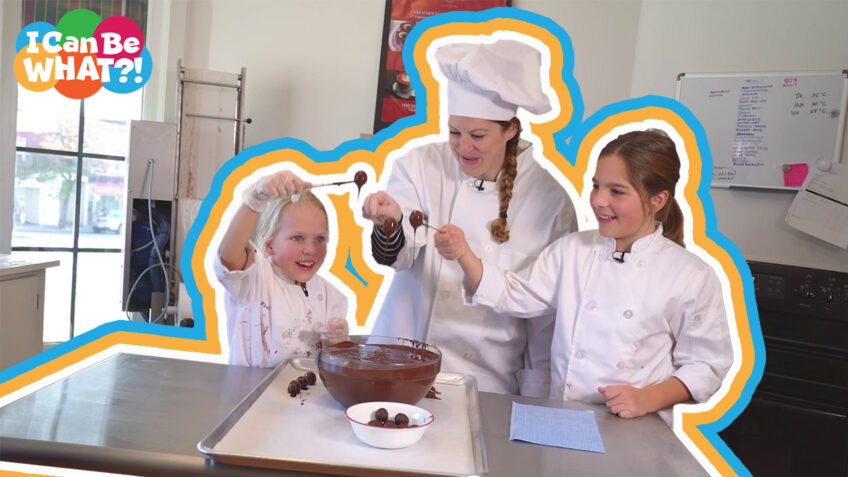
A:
x,y
269,317
658,314
425,300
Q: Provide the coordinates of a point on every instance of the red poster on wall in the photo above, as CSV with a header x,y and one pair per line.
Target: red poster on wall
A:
x,y
395,96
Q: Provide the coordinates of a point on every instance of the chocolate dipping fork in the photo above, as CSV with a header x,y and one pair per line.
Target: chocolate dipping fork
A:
x,y
360,178
416,219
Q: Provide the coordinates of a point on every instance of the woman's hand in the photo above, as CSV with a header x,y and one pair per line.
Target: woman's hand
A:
x,y
379,206
450,242
280,184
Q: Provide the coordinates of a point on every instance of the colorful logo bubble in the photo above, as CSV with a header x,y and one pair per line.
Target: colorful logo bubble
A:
x,y
118,38
37,29
130,75
81,79
78,24
37,66
82,54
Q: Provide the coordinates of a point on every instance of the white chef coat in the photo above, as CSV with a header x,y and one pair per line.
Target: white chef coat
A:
x,y
657,315
425,300
269,317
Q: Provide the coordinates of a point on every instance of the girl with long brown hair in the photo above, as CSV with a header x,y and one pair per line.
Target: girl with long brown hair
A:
x,y
641,323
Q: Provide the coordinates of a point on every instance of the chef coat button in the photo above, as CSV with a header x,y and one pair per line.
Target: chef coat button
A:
x,y
697,317
579,355
568,385
488,248
467,355
628,314
320,296
590,305
641,264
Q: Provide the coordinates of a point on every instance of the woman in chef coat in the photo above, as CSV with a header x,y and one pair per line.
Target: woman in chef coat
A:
x,y
486,180
641,323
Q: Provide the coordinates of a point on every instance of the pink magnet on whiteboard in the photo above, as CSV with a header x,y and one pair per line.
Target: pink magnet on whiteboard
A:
x,y
794,174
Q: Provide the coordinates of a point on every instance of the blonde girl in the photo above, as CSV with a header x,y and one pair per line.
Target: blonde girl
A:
x,y
277,307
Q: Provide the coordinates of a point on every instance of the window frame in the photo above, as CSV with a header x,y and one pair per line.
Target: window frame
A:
x,y
39,10
74,249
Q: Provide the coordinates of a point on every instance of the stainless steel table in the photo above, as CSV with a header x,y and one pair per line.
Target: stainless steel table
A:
x,y
145,415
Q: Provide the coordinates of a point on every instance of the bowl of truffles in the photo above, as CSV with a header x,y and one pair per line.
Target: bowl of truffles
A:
x,y
366,368
388,425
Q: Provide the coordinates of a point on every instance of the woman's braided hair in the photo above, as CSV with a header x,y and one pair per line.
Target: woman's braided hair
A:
x,y
505,182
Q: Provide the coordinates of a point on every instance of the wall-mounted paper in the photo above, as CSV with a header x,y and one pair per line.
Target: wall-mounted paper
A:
x,y
821,206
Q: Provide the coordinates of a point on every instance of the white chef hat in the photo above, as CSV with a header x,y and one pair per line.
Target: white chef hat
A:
x,y
490,81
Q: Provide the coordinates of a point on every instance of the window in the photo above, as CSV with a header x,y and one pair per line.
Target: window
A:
x,y
70,193
51,11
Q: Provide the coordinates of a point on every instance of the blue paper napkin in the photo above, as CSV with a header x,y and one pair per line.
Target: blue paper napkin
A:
x,y
555,427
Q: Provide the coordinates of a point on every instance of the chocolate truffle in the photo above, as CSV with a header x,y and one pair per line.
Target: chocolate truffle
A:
x,y
416,219
360,178
401,420
294,388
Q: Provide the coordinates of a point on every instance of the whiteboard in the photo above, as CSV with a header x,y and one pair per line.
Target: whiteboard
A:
x,y
768,129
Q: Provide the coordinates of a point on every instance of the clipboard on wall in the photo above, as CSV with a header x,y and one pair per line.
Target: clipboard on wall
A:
x,y
768,130
820,208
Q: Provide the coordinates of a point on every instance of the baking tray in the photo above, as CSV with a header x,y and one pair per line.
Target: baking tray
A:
x,y
310,432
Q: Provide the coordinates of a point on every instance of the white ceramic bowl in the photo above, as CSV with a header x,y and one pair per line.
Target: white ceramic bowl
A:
x,y
388,437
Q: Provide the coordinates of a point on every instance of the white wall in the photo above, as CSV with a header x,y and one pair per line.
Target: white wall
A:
x,y
166,22
728,36
312,65
603,34
10,25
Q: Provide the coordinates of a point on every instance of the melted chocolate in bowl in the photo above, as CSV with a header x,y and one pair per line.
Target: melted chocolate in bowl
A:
x,y
377,368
